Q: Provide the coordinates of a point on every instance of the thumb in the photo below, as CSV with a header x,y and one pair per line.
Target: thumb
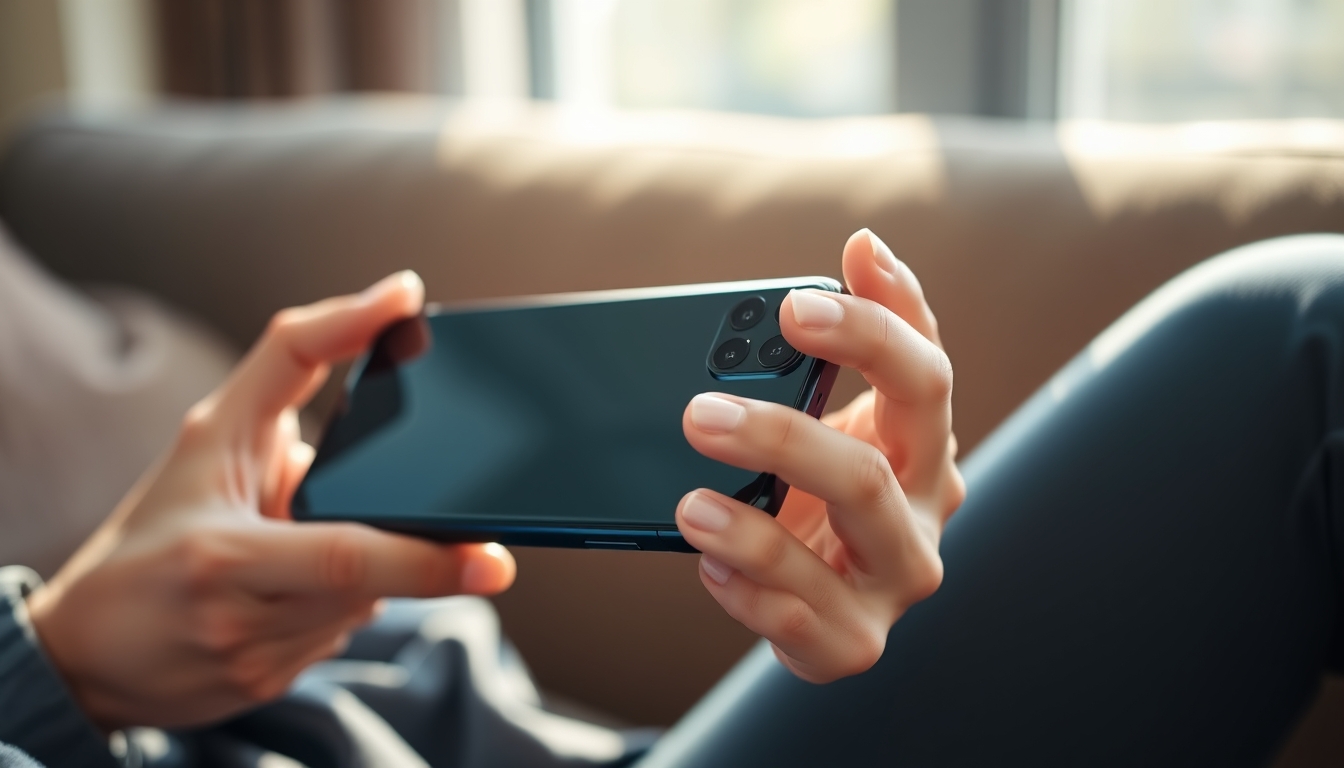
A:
x,y
293,356
352,559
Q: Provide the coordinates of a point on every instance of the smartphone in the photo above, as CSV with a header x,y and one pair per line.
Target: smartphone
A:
x,y
556,420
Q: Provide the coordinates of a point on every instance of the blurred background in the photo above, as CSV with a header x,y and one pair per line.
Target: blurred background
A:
x,y
1041,164
1102,59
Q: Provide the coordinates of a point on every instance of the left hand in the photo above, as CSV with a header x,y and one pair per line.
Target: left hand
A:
x,y
198,598
856,543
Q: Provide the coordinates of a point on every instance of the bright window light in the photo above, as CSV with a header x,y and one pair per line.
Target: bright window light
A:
x,y
1202,59
788,57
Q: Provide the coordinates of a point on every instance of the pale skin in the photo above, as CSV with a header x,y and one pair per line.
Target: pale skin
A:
x,y
198,598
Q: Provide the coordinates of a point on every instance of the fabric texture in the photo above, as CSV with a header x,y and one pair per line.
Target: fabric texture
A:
x,y
13,757
431,683
37,714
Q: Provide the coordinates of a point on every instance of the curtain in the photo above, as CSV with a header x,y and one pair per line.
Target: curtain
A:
x,y
266,49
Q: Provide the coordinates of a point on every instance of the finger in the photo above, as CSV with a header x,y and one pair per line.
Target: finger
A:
x,y
817,647
255,621
298,458
911,374
866,507
355,560
291,359
872,271
264,671
755,544
776,586
276,489
294,616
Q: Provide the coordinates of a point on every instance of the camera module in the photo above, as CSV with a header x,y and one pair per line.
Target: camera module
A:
x,y
731,353
775,353
747,313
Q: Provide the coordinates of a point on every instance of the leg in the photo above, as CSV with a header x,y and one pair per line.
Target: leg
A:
x,y
1144,570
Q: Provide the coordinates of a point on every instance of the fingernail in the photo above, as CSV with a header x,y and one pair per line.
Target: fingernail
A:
x,y
406,280
700,511
711,413
882,254
716,570
816,311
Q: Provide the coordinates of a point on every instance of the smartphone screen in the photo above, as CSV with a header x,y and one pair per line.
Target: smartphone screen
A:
x,y
556,419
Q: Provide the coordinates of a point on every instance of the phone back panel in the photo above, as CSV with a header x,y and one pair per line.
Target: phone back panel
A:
x,y
553,413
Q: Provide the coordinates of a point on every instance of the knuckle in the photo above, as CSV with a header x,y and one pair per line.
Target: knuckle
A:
x,y
196,423
344,564
873,477
937,381
204,561
221,632
923,580
882,319
878,345
864,651
770,552
283,324
795,623
748,601
779,432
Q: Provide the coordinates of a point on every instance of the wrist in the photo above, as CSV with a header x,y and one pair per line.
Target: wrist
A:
x,y
41,604
42,716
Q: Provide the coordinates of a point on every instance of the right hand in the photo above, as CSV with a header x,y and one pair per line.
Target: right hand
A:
x,y
872,485
198,597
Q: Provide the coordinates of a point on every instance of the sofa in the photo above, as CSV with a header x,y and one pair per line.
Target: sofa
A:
x,y
1028,238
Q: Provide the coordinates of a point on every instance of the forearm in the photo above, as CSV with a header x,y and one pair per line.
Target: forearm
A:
x,y
40,717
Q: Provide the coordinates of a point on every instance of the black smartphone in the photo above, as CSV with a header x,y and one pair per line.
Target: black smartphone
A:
x,y
556,420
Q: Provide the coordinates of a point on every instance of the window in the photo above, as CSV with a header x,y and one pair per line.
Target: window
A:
x,y
790,57
1139,60
1202,59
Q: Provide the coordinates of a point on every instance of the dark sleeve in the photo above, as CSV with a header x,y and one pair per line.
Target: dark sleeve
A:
x,y
40,717
15,757
11,757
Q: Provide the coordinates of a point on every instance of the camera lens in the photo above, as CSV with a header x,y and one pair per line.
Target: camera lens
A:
x,y
776,352
731,353
747,313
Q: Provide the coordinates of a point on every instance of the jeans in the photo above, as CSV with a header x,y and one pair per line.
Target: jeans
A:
x,y
1146,568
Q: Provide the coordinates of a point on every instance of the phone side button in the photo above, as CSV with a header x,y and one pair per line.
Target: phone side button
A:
x,y
628,546
673,541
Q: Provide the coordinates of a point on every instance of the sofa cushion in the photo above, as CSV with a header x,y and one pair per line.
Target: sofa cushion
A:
x,y
91,390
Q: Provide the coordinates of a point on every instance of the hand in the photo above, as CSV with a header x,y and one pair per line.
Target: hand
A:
x,y
198,598
856,542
